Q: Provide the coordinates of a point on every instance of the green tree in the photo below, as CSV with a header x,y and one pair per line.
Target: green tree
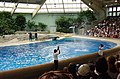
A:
x,y
20,22
42,26
6,23
30,26
63,24
85,16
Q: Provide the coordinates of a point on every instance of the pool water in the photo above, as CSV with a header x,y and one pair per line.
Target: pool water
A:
x,y
19,56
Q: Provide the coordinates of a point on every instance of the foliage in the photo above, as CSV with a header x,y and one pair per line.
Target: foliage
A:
x,y
6,23
42,26
30,26
85,16
63,23
20,22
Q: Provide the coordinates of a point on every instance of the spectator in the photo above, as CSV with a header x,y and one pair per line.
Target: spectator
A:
x,y
72,70
56,75
92,73
83,71
101,68
112,70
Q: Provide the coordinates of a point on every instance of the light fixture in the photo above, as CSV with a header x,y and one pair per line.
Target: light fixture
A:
x,y
90,3
116,0
54,4
27,2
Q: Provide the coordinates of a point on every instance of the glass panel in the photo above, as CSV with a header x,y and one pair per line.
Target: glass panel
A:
x,y
55,10
52,5
110,14
1,9
114,13
6,4
55,6
71,1
21,5
110,9
24,10
6,9
44,6
118,8
86,8
71,5
118,13
53,1
72,10
114,8
42,11
83,5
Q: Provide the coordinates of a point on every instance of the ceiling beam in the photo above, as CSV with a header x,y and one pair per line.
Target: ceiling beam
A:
x,y
97,7
63,6
47,8
38,8
14,8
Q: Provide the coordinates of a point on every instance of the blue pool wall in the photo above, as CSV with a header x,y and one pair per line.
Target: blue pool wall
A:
x,y
35,71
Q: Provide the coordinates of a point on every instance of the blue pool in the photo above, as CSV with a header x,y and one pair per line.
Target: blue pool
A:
x,y
19,56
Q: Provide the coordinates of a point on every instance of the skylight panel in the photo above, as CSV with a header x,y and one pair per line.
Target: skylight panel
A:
x,y
83,5
42,11
21,5
71,5
44,6
55,6
55,10
18,10
6,4
72,10
6,9
118,8
53,1
71,1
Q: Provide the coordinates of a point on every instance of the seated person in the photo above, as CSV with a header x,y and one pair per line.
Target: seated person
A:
x,y
112,69
83,71
56,75
72,69
102,68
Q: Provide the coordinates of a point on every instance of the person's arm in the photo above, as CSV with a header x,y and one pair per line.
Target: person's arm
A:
x,y
58,49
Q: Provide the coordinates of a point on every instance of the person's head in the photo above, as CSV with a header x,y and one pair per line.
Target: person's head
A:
x,y
111,60
72,68
65,69
117,57
56,75
92,67
101,45
55,50
111,64
118,66
101,65
83,70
